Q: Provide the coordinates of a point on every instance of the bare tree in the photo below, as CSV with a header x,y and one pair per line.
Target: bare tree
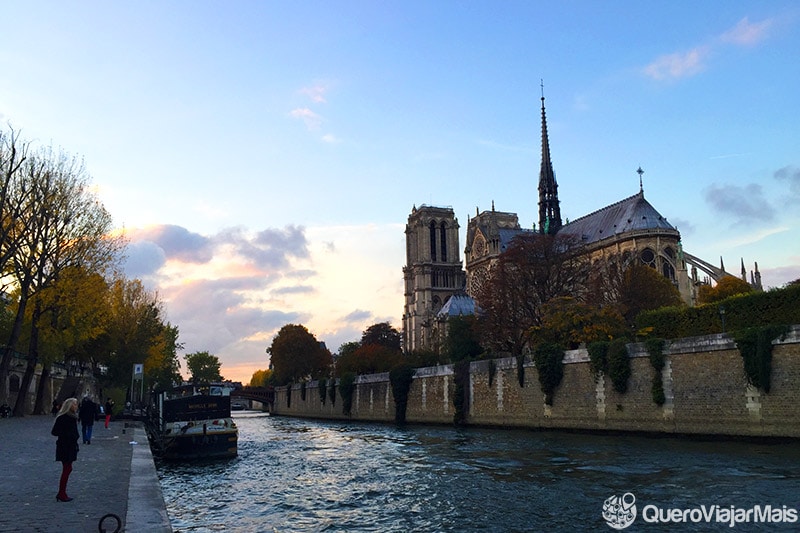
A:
x,y
13,154
535,269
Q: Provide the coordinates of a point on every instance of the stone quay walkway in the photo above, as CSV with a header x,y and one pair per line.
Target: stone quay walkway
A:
x,y
115,474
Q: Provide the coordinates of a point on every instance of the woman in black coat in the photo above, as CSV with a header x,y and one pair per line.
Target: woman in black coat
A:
x,y
66,429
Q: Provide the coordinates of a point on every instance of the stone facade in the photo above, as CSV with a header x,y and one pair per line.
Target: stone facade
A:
x,y
704,383
433,273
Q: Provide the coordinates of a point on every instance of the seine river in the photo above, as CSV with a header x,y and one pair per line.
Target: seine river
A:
x,y
307,475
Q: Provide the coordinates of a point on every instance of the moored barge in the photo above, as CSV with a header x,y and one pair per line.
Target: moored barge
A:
x,y
194,422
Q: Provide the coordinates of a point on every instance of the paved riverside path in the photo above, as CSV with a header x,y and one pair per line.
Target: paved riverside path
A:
x,y
111,475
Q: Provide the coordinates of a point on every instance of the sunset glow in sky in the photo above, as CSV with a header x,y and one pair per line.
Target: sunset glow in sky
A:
x,y
263,157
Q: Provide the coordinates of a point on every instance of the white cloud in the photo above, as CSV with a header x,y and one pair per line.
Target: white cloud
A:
x,y
684,64
312,120
678,65
229,293
747,33
752,237
316,93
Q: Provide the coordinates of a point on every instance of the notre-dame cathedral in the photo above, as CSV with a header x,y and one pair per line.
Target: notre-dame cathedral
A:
x,y
437,286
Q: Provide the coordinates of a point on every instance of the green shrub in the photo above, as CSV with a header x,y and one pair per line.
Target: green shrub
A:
x,y
549,360
598,358
655,350
347,384
755,345
332,391
323,390
401,378
619,365
771,308
521,370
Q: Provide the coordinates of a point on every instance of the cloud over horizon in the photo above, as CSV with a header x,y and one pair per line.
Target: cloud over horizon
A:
x,y
230,292
742,203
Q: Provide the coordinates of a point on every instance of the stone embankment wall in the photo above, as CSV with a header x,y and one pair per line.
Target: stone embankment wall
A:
x,y
704,384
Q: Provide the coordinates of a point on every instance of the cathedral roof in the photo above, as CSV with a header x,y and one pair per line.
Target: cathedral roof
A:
x,y
507,235
458,304
631,214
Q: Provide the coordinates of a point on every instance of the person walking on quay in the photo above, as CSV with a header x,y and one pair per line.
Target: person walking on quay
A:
x,y
66,429
109,407
87,413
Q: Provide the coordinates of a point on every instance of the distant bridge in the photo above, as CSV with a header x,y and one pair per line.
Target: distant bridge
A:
x,y
265,395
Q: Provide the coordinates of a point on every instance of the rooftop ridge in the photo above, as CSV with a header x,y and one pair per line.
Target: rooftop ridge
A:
x,y
606,208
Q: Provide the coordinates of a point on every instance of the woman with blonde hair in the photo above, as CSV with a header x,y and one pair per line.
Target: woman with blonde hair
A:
x,y
66,429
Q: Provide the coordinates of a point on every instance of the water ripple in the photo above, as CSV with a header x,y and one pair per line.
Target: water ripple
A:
x,y
300,475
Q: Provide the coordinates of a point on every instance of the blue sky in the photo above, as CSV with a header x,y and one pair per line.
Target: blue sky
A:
x,y
263,157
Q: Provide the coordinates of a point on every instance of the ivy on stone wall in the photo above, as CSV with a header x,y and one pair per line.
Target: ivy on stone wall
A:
x,y
492,371
655,350
755,345
303,390
323,390
332,391
598,358
401,378
347,384
461,392
619,365
521,370
289,395
549,360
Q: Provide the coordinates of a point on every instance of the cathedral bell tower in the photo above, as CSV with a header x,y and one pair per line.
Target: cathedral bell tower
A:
x,y
432,274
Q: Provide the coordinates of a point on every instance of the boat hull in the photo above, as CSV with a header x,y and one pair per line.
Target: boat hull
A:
x,y
196,445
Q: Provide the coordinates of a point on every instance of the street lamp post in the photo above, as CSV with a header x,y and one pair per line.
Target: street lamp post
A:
x,y
722,316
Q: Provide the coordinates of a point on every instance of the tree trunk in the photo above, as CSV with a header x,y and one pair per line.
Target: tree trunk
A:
x,y
13,339
33,358
41,391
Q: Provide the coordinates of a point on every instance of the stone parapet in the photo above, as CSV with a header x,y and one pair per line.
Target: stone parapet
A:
x,y
705,389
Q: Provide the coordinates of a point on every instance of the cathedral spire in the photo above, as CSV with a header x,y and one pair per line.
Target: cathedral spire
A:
x,y
549,210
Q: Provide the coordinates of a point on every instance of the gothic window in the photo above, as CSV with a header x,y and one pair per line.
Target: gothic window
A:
x,y
478,278
668,270
648,258
443,241
433,240
13,383
479,247
435,278
437,304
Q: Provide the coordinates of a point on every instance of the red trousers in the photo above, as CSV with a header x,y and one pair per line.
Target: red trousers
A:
x,y
62,484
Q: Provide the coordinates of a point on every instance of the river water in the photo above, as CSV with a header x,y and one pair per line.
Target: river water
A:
x,y
308,475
